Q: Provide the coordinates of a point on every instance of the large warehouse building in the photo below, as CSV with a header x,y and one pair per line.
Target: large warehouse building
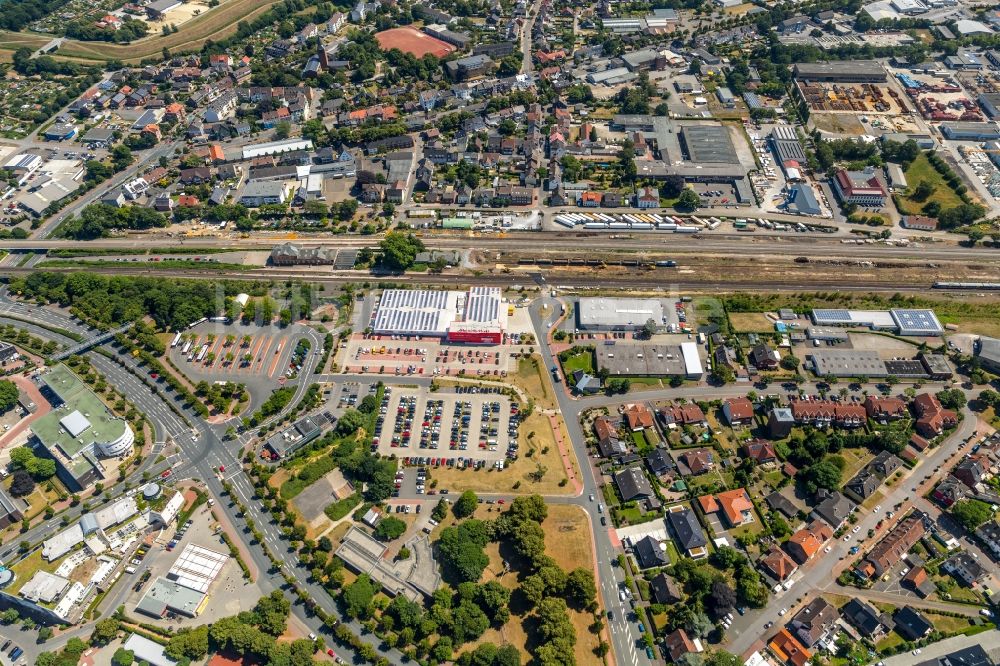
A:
x,y
905,322
650,359
80,430
473,317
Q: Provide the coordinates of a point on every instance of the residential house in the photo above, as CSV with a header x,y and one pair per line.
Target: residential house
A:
x,y
989,537
885,464
815,621
762,357
949,491
823,413
869,623
964,568
917,580
734,505
665,589
687,531
738,411
585,383
686,414
777,564
679,644
911,624
195,176
695,462
638,416
890,550
862,486
761,450
788,649
970,470
658,462
782,505
608,441
650,553
884,410
633,484
932,418
808,541
780,422
832,507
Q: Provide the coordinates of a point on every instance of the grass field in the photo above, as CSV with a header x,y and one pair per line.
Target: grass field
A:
x,y
531,378
751,322
216,24
921,170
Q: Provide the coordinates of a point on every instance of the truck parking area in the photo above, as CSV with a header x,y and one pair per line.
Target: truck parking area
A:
x,y
453,428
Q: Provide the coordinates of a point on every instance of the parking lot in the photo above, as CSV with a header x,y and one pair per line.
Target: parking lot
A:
x,y
235,352
383,355
457,428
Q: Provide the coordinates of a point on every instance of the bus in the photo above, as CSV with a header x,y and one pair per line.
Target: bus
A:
x,y
177,338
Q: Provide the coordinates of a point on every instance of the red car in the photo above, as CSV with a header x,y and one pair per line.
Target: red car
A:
x,y
500,501
165,474
222,468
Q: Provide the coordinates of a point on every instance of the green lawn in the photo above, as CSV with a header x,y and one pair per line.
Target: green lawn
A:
x,y
921,170
582,360
890,641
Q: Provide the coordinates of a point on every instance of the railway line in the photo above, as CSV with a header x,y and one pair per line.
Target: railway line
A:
x,y
513,243
651,280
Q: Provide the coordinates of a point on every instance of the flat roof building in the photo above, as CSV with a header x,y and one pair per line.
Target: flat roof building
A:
x,y
860,71
641,360
914,322
708,143
848,363
609,314
79,430
476,316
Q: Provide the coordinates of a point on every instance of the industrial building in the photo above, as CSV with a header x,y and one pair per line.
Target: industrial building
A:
x,y
276,148
708,143
79,431
916,322
184,589
649,359
860,71
474,317
847,363
618,314
987,351
970,131
859,187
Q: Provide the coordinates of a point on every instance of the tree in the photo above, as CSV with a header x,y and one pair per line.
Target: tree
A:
x,y
494,599
722,658
44,634
923,190
649,328
9,616
105,631
461,550
971,513
123,657
722,598
466,504
440,510
580,589
989,397
358,597
688,200
282,130
952,398
188,643
8,395
21,484
790,362
390,528
271,613
824,474
399,250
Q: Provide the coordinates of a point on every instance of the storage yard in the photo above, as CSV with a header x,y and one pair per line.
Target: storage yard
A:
x,y
851,97
939,98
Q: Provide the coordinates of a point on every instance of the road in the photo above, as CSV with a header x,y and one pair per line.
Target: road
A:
x,y
989,641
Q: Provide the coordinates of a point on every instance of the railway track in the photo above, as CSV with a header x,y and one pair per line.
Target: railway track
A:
x,y
664,279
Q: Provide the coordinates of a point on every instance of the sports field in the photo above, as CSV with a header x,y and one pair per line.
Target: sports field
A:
x,y
411,40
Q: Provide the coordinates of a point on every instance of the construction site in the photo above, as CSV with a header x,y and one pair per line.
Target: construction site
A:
x,y
939,98
851,97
